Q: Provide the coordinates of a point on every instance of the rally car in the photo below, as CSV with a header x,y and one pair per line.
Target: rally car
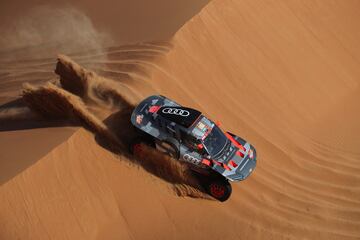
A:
x,y
187,135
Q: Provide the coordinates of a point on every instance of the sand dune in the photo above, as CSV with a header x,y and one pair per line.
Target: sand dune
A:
x,y
282,74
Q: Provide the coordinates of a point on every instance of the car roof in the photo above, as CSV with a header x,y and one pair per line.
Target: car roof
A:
x,y
180,115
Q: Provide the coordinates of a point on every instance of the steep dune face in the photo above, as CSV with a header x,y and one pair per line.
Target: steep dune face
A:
x,y
279,74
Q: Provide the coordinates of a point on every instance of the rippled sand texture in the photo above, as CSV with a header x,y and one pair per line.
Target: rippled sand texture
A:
x,y
282,74
285,76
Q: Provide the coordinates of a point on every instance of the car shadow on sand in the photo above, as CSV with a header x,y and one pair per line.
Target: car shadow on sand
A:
x,y
21,148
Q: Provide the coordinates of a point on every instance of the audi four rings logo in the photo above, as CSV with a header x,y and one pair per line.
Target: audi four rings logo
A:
x,y
188,158
176,111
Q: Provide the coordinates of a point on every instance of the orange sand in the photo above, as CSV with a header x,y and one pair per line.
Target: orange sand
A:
x,y
282,74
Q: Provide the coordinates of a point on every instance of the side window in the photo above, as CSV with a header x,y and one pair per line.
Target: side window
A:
x,y
171,129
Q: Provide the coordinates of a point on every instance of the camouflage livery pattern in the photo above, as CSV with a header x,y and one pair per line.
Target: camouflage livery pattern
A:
x,y
186,130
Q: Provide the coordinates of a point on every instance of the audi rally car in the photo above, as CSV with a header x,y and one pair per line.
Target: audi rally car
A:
x,y
185,134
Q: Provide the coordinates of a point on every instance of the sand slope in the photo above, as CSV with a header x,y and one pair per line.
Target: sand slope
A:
x,y
282,74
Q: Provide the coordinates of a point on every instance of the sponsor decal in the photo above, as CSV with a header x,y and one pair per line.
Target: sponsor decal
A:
x,y
176,111
154,109
201,126
139,118
191,159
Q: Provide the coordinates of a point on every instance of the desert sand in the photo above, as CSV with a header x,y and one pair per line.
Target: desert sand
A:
x,y
282,74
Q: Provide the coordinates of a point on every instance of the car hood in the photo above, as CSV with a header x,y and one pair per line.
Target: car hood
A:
x,y
237,160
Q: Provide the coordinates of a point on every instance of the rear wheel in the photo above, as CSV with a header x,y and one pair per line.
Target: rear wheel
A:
x,y
219,189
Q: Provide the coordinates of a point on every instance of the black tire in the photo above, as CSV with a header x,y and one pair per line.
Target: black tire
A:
x,y
219,189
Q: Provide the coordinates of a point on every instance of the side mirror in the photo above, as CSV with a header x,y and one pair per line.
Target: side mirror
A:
x,y
200,146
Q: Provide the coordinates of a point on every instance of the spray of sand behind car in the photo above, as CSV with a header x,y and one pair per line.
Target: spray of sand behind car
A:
x,y
77,95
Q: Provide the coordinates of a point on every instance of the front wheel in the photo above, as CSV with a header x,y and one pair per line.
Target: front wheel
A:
x,y
220,189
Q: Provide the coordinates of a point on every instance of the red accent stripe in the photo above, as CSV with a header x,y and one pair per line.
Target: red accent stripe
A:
x,y
225,166
206,162
154,109
216,162
240,154
235,142
232,163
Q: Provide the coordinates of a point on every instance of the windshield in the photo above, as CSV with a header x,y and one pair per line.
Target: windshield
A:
x,y
215,141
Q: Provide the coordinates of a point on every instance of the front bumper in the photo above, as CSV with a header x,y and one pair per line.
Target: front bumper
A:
x,y
245,168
